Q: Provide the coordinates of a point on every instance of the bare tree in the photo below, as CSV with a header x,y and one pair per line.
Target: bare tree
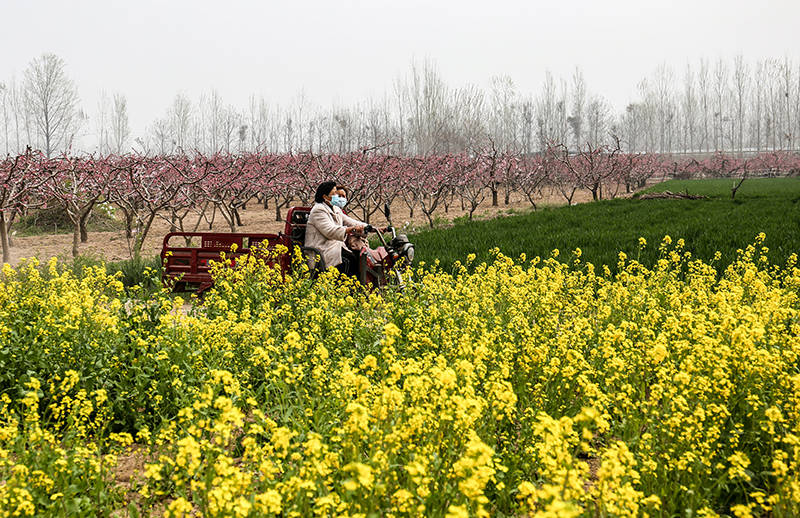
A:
x,y
470,115
503,108
52,100
527,129
576,118
545,112
786,90
120,128
757,102
741,80
689,107
4,96
631,126
426,95
720,89
102,122
665,114
598,116
705,110
15,117
180,120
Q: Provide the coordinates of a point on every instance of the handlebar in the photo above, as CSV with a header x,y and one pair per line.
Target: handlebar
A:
x,y
379,231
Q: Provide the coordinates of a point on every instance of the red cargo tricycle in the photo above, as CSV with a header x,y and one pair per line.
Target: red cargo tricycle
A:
x,y
188,268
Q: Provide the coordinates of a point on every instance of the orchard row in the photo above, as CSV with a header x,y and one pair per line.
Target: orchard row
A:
x,y
184,188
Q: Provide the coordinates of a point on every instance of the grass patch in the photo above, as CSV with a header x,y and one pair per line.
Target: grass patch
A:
x,y
721,187
54,220
602,229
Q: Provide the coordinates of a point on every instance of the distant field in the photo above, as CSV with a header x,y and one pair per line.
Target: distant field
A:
x,y
604,228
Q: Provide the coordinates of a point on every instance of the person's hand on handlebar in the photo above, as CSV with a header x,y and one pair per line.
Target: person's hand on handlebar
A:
x,y
354,230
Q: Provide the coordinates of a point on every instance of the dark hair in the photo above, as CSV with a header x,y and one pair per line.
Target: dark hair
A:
x,y
323,189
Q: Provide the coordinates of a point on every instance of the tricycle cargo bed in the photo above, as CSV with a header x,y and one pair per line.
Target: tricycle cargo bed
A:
x,y
189,263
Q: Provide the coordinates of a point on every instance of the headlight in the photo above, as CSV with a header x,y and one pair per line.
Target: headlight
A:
x,y
408,251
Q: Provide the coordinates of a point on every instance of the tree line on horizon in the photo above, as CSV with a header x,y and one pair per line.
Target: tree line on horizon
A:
x,y
733,106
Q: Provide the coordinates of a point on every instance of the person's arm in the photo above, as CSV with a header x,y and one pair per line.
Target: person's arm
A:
x,y
324,223
352,222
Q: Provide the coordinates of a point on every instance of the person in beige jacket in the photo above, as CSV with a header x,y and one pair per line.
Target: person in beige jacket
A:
x,y
328,227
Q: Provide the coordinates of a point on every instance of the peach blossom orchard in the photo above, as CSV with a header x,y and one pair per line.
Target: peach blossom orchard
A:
x,y
192,190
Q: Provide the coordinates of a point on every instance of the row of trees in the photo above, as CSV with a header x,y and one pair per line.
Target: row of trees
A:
x,y
189,191
43,111
713,106
732,106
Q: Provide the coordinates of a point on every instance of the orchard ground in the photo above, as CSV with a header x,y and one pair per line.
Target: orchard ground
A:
x,y
113,246
600,230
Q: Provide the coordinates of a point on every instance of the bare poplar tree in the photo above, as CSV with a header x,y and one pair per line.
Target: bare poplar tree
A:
x,y
102,122
120,128
561,112
665,114
180,120
527,128
469,110
503,114
258,120
705,103
786,108
741,80
720,89
598,117
52,100
757,102
773,107
4,97
631,126
576,118
546,112
426,96
689,106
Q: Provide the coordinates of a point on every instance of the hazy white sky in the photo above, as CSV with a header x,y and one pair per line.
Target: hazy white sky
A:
x,y
342,51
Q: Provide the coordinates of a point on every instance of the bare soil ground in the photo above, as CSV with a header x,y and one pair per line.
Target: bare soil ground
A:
x,y
113,246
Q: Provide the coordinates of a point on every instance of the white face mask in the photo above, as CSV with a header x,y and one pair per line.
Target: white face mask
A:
x,y
338,201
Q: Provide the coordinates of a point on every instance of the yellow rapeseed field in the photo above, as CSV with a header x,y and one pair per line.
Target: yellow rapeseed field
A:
x,y
524,387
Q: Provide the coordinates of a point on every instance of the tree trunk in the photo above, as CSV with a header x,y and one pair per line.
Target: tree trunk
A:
x,y
4,238
139,244
735,188
213,216
76,238
494,196
82,225
128,223
530,199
